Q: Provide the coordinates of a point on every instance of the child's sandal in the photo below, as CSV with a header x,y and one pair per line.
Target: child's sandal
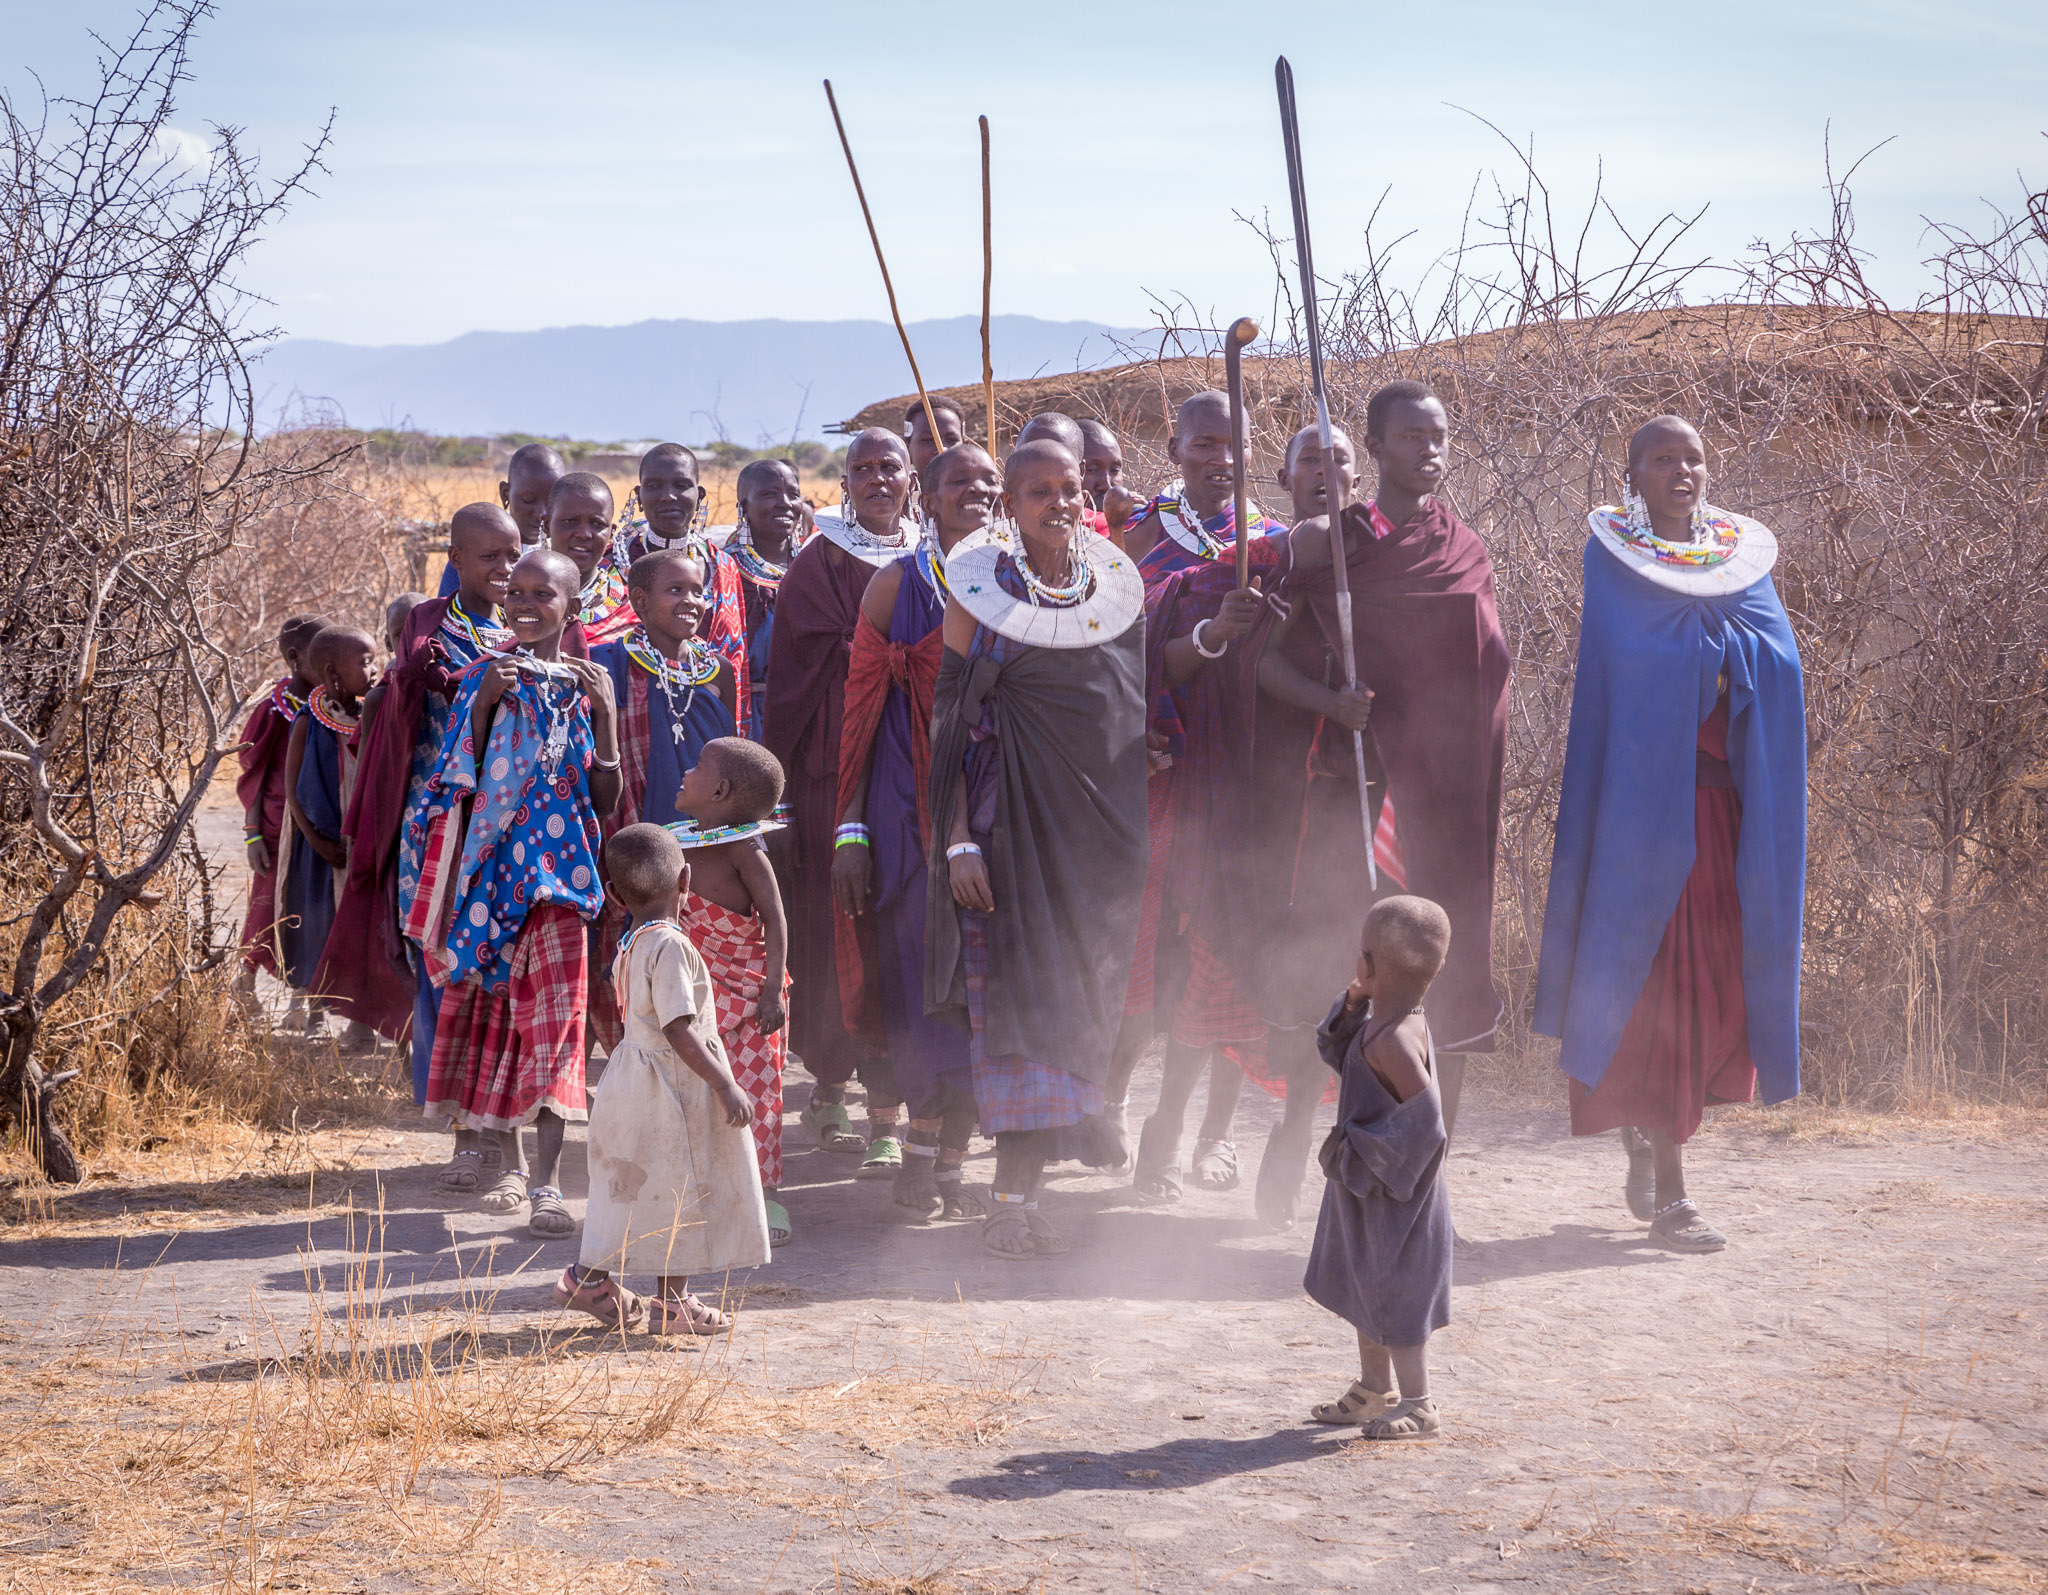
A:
x,y
1359,1404
1407,1420
606,1300
685,1315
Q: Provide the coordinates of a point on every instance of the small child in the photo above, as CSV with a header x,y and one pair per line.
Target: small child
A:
x,y
673,1185
319,768
266,739
579,524
396,614
733,913
1382,1253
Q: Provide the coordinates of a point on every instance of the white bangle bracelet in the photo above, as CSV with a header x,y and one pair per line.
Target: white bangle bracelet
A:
x,y
958,848
1195,637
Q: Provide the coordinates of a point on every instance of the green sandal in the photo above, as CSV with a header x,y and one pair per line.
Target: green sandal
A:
x,y
779,1232
885,1157
833,1126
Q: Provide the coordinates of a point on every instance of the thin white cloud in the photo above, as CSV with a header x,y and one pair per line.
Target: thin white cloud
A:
x,y
187,152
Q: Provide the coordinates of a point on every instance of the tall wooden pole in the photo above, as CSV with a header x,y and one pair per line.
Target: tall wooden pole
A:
x,y
1241,332
988,275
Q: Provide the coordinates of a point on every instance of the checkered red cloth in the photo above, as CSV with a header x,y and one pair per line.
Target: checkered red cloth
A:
x,y
1138,995
498,1060
735,950
1014,1093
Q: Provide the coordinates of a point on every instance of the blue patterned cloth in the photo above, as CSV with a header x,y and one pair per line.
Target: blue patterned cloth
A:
x,y
426,756
532,834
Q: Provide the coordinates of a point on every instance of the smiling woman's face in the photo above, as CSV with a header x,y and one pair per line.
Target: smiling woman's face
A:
x,y
537,601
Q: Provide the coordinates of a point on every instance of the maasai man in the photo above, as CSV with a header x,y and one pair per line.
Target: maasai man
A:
x,y
529,763
442,638
1102,462
580,526
1185,543
884,836
668,510
816,611
319,773
1433,674
1670,963
1038,827
918,436
675,693
260,789
770,531
530,476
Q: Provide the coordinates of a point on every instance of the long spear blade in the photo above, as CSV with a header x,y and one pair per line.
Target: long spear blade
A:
x,y
1297,197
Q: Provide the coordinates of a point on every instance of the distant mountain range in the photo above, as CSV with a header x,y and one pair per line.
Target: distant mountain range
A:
x,y
752,382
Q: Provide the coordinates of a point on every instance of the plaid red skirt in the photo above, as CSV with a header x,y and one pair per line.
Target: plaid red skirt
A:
x,y
735,950
498,1060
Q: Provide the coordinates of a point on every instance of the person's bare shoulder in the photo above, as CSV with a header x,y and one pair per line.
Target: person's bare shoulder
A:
x,y
878,603
1399,1055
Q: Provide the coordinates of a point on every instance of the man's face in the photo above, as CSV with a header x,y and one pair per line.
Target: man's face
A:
x,y
1102,468
536,603
1412,453
669,493
772,505
483,558
1200,446
877,485
1306,484
672,606
525,496
580,525
917,433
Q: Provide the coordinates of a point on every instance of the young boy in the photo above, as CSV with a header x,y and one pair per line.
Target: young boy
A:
x,y
673,1184
530,476
580,514
319,777
529,763
1382,1254
733,912
261,788
674,693
670,517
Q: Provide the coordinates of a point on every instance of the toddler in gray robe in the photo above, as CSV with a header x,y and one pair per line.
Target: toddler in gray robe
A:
x,y
1382,1253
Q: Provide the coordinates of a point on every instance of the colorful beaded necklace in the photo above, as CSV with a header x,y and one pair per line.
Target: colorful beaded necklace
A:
x,y
486,636
331,714
698,666
286,702
1714,535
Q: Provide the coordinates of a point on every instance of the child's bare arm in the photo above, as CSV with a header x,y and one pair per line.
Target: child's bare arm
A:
x,y
1397,1057
758,876
698,1059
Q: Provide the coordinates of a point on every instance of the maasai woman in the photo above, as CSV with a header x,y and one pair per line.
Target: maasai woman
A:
x,y
1670,964
817,609
1038,827
884,835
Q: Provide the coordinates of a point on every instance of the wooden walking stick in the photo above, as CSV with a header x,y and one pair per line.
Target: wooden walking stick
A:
x,y
988,273
930,419
1241,332
1297,195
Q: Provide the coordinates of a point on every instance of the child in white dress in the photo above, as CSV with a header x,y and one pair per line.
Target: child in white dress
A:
x,y
674,1188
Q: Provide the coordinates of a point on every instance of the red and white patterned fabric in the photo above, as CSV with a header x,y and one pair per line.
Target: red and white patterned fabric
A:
x,y
735,950
1386,849
498,1060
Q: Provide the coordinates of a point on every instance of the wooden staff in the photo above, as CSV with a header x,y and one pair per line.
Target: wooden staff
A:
x,y
1297,195
931,420
1242,331
988,273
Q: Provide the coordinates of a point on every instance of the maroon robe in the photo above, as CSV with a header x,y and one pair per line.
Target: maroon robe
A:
x,y
1430,648
370,978
260,789
809,655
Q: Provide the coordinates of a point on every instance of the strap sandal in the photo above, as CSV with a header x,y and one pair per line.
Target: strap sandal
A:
x,y
779,1232
916,1191
1156,1179
507,1193
606,1300
833,1126
885,1157
1006,1233
1215,1166
1406,1420
1641,1185
961,1200
463,1174
1678,1227
685,1315
1045,1240
550,1218
1356,1405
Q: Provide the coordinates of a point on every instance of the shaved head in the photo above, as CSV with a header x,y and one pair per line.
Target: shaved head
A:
x,y
1061,429
1197,408
477,520
561,570
536,459
874,440
754,470
1656,427
1409,936
644,862
1311,437
330,643
668,451
1043,454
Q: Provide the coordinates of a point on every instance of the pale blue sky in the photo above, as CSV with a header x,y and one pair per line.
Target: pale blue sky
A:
x,y
515,165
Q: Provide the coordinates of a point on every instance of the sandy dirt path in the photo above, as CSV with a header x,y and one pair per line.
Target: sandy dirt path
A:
x,y
1851,1397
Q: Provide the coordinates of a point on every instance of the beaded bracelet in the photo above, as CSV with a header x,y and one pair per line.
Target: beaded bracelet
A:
x,y
851,834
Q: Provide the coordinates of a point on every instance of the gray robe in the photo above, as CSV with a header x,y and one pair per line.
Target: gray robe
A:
x,y
1382,1254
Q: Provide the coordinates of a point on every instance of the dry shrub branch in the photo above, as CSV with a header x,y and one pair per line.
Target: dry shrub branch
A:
x,y
1898,453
